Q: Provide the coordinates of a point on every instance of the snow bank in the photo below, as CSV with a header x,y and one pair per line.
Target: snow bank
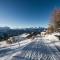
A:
x,y
56,33
24,35
3,44
14,45
51,37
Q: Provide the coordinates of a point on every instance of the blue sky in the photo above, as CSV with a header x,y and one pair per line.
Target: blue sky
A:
x,y
26,13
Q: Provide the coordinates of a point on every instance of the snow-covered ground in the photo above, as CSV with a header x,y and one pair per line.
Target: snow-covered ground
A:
x,y
4,44
24,35
40,48
53,39
6,50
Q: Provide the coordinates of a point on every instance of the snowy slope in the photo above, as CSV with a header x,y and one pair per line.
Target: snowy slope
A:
x,y
13,49
52,37
41,48
24,35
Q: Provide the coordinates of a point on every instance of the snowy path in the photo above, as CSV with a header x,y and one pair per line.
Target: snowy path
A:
x,y
38,50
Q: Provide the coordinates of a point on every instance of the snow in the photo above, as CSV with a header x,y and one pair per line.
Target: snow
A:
x,y
45,46
51,37
22,43
19,52
13,47
24,35
56,33
3,44
43,33
38,50
38,35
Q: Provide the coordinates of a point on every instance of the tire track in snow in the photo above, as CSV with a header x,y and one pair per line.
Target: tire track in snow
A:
x,y
38,50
